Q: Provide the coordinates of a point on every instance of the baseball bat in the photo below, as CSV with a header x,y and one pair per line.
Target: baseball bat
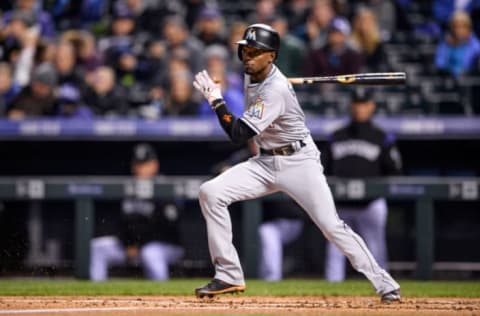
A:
x,y
374,78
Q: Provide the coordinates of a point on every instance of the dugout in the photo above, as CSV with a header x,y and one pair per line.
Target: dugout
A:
x,y
430,149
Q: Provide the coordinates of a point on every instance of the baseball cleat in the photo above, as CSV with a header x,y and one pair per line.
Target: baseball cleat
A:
x,y
217,287
391,297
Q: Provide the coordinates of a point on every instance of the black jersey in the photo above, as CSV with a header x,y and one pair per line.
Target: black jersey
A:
x,y
145,220
361,150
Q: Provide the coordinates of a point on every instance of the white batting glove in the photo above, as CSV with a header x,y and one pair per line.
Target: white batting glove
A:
x,y
210,90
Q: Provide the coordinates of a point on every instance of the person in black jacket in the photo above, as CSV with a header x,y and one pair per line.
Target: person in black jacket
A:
x,y
360,150
149,232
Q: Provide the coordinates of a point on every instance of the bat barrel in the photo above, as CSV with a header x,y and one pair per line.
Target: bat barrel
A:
x,y
381,78
377,79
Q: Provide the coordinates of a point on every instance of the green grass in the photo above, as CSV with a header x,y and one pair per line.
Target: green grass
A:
x,y
291,287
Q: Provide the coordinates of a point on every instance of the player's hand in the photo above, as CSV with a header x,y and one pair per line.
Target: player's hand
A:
x,y
211,90
132,252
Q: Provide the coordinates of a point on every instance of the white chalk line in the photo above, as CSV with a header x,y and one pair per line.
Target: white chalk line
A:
x,y
73,310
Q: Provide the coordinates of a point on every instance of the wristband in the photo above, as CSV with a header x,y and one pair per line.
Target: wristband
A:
x,y
217,103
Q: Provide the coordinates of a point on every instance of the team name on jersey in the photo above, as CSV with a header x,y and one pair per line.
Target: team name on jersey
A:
x,y
361,148
256,109
143,207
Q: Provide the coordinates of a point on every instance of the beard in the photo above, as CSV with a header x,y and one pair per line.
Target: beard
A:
x,y
250,71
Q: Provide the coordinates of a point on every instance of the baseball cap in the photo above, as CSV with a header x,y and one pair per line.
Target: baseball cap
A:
x,y
144,152
28,18
340,24
46,74
123,12
209,13
216,50
361,94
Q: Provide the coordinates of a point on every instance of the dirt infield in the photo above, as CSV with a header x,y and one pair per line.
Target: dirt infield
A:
x,y
232,305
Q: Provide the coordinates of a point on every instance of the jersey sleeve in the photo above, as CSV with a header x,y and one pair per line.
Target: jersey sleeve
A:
x,y
264,110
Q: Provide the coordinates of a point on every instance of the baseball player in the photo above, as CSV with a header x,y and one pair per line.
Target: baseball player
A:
x,y
357,150
289,161
149,231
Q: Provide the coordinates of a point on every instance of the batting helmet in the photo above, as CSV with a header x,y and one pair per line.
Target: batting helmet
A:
x,y
261,36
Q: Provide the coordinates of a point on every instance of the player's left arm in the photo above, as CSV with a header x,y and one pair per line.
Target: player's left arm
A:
x,y
238,131
391,158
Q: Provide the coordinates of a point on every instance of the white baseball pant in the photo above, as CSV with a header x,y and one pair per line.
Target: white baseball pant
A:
x,y
370,223
154,257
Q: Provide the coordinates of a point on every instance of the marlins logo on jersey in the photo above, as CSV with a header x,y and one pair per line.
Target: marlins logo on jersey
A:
x,y
251,35
256,109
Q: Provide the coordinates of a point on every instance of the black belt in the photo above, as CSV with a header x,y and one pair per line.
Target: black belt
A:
x,y
286,150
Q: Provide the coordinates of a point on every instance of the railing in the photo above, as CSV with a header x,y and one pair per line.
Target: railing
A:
x,y
200,129
84,190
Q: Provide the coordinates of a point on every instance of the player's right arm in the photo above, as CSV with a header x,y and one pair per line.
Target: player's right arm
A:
x,y
238,131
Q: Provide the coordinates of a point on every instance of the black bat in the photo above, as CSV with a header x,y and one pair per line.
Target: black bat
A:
x,y
374,78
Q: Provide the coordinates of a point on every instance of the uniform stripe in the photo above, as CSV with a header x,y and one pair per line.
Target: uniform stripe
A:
x,y
250,124
360,245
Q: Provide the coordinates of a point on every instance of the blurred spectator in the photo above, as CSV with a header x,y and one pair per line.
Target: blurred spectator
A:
x,y
264,11
104,97
36,99
156,58
65,64
149,14
177,37
232,84
150,96
442,10
384,11
235,34
336,57
149,234
296,11
45,52
70,105
178,65
360,150
131,70
19,44
84,43
367,40
39,16
456,54
180,101
292,50
71,14
315,29
9,89
210,27
122,38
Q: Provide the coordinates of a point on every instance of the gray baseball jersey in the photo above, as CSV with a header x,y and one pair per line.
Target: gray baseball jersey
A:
x,y
274,113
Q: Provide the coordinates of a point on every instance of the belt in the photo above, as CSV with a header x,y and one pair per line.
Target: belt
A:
x,y
286,150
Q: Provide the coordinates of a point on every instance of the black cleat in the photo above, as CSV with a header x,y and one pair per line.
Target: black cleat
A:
x,y
217,287
391,297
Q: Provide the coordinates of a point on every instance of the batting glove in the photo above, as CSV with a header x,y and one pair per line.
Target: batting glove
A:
x,y
210,90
